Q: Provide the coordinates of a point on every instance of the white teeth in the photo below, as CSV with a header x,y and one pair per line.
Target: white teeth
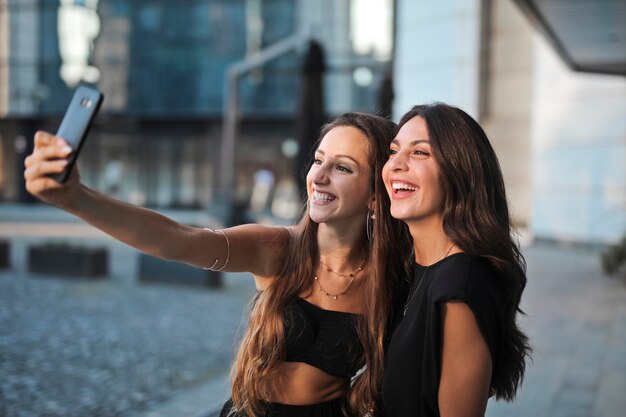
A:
x,y
322,196
402,186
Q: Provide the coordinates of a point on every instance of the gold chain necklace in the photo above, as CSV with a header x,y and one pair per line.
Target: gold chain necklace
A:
x,y
352,275
406,306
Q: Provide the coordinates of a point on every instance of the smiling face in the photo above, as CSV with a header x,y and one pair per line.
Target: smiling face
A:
x,y
411,175
338,183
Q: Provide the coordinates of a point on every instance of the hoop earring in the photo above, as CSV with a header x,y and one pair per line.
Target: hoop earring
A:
x,y
369,224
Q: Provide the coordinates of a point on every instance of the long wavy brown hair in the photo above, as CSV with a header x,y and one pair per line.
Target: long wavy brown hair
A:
x,y
263,347
476,218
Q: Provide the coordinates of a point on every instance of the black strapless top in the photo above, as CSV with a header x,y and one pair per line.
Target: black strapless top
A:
x,y
325,339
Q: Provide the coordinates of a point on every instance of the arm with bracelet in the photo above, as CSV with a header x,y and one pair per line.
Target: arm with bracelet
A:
x,y
252,248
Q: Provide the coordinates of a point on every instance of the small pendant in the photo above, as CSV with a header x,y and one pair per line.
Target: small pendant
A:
x,y
334,297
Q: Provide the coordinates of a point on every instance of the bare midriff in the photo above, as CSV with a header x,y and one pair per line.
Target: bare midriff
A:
x,y
297,383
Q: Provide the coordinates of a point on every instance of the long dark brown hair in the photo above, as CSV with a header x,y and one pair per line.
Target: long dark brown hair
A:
x,y
263,343
476,218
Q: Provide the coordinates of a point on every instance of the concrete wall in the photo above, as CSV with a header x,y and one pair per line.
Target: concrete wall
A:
x,y
578,139
437,54
508,101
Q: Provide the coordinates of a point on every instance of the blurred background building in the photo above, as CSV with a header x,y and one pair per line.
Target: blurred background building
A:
x,y
161,66
552,95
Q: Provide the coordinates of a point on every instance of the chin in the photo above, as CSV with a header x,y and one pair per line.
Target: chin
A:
x,y
397,214
317,218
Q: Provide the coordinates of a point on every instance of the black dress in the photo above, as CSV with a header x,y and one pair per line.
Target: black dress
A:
x,y
413,364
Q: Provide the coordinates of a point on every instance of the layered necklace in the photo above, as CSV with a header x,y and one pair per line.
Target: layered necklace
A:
x,y
410,297
352,276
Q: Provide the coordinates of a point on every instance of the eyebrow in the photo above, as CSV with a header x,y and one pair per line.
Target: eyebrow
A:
x,y
413,142
339,156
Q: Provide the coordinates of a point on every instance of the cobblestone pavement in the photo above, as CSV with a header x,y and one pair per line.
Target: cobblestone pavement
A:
x,y
110,347
116,348
577,324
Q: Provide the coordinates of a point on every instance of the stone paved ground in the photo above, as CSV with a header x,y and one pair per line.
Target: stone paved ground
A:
x,y
577,324
112,347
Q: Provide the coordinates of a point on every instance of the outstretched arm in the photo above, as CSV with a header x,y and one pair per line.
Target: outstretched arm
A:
x,y
254,248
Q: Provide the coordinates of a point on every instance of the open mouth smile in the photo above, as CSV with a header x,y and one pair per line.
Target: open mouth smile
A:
x,y
402,189
321,197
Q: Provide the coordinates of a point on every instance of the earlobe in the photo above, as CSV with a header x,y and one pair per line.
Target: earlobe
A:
x,y
370,206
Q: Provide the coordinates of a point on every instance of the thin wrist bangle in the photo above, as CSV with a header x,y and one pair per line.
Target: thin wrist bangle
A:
x,y
227,252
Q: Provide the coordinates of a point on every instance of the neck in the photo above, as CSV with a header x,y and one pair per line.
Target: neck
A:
x,y
340,246
430,242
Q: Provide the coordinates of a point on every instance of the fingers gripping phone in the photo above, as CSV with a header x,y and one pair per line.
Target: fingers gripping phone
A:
x,y
76,123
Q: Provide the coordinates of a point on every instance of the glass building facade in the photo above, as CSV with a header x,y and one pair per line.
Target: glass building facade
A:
x,y
153,58
161,65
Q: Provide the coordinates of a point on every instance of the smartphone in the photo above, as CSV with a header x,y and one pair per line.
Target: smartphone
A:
x,y
76,123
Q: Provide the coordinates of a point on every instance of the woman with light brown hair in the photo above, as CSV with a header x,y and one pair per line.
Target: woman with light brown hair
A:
x,y
326,286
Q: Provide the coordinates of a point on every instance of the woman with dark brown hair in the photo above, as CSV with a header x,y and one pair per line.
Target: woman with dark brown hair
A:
x,y
458,342
324,293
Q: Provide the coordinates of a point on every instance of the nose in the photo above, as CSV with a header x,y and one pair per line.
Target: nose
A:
x,y
320,174
398,162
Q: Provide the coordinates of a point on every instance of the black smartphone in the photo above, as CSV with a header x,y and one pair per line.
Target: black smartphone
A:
x,y
76,123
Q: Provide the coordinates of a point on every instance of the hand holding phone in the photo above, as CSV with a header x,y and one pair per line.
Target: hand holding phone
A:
x,y
76,123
